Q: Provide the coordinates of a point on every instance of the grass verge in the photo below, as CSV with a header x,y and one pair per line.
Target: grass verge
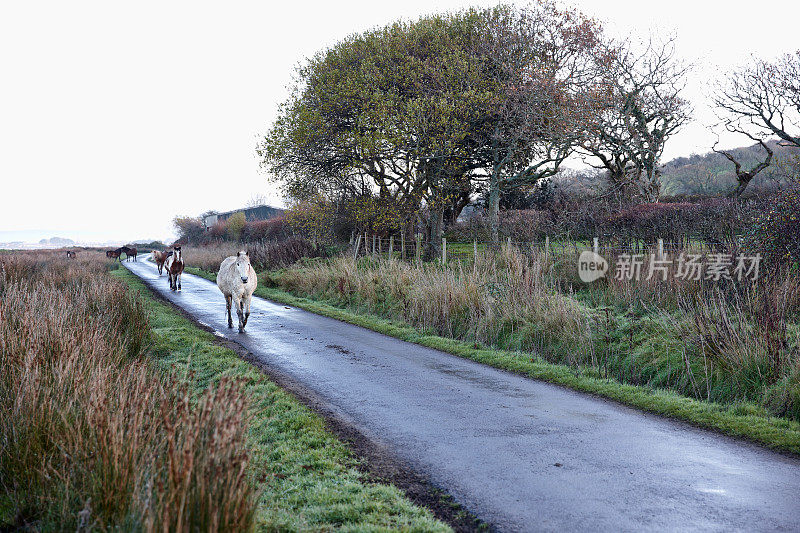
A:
x,y
735,420
309,481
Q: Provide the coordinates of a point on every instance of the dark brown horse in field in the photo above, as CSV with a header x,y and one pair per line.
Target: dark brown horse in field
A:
x,y
174,266
130,252
114,254
71,254
160,258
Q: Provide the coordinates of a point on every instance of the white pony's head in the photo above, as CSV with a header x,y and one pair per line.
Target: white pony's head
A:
x,y
242,266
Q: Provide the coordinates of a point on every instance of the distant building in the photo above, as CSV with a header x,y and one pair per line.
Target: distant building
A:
x,y
470,211
251,214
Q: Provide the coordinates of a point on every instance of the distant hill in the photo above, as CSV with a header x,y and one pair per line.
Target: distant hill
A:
x,y
713,174
56,242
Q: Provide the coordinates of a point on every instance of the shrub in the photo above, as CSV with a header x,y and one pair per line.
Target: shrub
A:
x,y
775,234
269,256
273,229
527,225
235,225
218,231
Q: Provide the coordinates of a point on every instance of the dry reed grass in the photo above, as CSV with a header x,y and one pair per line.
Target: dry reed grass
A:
x,y
92,436
506,301
210,256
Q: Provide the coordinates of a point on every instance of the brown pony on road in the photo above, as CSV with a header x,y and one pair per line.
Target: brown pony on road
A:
x,y
130,252
174,266
160,258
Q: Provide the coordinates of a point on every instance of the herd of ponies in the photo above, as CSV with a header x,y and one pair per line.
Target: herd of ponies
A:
x,y
236,280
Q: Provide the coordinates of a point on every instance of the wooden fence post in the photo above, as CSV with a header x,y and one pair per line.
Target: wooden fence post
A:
x,y
661,248
596,245
391,245
509,243
418,251
547,244
358,245
475,255
444,251
403,245
374,240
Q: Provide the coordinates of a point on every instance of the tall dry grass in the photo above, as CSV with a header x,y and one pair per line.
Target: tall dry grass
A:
x,y
263,255
505,301
210,256
90,435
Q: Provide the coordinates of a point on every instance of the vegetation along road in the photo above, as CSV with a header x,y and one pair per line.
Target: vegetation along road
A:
x,y
519,453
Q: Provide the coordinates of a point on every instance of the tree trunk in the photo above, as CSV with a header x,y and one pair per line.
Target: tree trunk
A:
x,y
436,231
494,206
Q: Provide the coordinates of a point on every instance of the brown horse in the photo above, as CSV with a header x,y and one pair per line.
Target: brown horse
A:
x,y
114,254
71,254
160,257
174,267
130,252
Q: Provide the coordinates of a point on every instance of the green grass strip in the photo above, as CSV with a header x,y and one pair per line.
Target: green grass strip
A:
x,y
308,478
776,433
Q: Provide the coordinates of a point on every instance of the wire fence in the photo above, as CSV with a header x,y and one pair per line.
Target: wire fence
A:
x,y
409,248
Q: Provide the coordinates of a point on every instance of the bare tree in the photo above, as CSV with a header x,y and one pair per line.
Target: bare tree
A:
x,y
744,177
257,200
762,100
640,109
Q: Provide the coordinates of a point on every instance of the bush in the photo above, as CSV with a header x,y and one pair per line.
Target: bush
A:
x,y
527,225
269,256
650,222
718,221
235,225
273,229
775,234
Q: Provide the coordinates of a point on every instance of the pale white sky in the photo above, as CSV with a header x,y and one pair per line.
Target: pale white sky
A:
x,y
116,116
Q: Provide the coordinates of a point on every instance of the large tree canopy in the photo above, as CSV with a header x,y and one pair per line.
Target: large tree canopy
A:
x,y
423,112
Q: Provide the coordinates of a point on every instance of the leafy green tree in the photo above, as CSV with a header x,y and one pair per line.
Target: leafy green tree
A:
x,y
421,113
190,229
235,225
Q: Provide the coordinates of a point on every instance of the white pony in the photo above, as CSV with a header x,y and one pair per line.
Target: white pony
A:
x,y
237,280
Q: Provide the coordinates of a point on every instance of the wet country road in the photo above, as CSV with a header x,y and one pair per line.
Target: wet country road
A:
x,y
493,439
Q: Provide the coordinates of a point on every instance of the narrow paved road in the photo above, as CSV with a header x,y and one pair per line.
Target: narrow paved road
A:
x,y
521,454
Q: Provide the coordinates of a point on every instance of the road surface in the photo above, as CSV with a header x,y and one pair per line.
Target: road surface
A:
x,y
520,454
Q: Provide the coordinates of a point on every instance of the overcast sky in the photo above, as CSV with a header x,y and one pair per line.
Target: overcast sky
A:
x,y
117,116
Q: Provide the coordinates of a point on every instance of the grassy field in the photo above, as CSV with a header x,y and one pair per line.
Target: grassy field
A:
x,y
136,419
634,345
